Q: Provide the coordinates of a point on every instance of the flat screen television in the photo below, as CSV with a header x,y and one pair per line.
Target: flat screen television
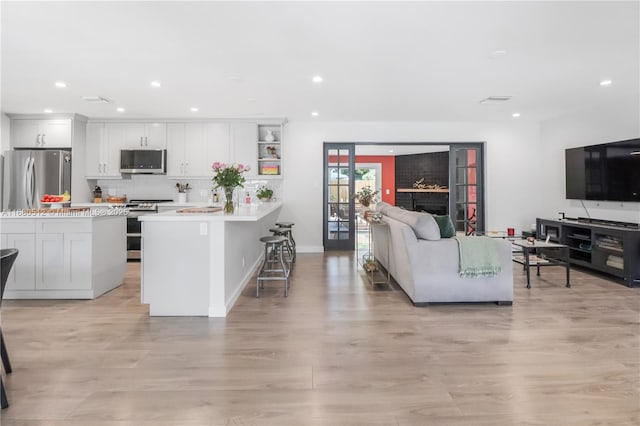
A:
x,y
605,172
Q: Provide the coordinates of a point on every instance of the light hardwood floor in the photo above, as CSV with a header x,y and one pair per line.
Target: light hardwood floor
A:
x,y
335,352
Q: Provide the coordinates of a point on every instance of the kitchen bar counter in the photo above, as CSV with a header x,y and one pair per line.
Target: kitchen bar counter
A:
x,y
197,264
64,256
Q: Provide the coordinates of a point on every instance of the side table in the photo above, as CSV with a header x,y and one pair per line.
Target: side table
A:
x,y
370,263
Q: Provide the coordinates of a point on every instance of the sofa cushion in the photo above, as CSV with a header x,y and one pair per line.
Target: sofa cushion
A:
x,y
447,230
382,207
423,224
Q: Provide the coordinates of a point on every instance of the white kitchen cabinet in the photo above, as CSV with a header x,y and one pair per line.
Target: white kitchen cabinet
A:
x,y
55,133
243,145
192,147
141,135
50,261
65,257
102,155
217,146
22,275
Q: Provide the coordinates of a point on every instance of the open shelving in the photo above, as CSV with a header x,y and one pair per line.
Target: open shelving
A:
x,y
270,150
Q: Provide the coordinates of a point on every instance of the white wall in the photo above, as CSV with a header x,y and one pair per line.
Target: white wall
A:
x,y
5,128
513,196
588,127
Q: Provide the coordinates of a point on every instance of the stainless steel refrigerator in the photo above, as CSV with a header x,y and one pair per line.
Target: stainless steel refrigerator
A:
x,y
29,174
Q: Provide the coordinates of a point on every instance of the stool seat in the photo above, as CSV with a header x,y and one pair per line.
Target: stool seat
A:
x,y
273,239
285,224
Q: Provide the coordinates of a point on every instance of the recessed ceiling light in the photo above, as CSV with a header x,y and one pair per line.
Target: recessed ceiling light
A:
x,y
606,83
194,109
120,109
155,83
317,79
60,84
315,113
515,115
48,111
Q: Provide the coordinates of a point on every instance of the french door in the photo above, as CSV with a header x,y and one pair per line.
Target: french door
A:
x,y
339,205
466,201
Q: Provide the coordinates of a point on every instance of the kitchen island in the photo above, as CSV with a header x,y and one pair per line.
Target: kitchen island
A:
x,y
197,264
77,254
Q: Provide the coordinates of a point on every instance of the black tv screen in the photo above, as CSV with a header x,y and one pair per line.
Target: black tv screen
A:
x,y
605,172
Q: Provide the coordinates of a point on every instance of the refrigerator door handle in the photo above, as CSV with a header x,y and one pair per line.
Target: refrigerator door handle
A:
x,y
32,189
27,181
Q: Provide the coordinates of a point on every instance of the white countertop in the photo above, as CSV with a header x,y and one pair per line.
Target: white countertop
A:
x,y
252,212
86,214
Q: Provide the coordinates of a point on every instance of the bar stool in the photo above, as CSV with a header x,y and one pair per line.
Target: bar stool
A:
x,y
291,253
269,271
286,226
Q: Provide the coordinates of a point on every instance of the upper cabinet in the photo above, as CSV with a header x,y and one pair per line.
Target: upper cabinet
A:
x,y
102,154
141,135
243,145
36,133
192,147
270,149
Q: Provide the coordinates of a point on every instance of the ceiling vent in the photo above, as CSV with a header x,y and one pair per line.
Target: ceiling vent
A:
x,y
96,99
492,100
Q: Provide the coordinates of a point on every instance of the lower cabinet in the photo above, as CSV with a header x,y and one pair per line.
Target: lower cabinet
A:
x,y
63,261
66,258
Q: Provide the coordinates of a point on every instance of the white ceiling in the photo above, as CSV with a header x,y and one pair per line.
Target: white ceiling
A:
x,y
381,61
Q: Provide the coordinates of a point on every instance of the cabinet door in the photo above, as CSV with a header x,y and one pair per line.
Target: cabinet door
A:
x,y
155,135
114,139
195,156
77,260
129,135
50,271
216,146
23,273
55,134
25,133
93,165
175,149
243,145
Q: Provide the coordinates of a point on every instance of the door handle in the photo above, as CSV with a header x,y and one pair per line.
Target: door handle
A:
x,y
32,186
27,181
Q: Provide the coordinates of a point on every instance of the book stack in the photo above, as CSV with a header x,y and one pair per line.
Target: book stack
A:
x,y
269,169
615,262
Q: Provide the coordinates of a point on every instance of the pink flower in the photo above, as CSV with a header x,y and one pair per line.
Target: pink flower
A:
x,y
240,168
215,165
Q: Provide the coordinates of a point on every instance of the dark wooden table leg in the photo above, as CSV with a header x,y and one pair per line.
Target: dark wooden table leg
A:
x,y
527,266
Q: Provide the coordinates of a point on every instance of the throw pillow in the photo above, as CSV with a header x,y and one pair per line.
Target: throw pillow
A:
x,y
447,230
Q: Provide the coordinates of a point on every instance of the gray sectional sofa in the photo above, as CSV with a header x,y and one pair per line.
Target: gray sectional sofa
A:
x,y
426,265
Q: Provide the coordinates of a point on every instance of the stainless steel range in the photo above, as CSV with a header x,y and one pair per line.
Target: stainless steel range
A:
x,y
134,227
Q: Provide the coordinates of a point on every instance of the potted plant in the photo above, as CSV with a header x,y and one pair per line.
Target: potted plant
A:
x,y
264,193
228,177
366,196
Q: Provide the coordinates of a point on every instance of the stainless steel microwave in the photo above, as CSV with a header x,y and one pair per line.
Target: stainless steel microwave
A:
x,y
145,161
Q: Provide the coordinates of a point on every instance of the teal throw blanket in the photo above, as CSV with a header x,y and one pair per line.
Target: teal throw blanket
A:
x,y
478,257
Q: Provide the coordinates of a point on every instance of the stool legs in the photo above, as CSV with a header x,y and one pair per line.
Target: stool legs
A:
x,y
4,354
273,257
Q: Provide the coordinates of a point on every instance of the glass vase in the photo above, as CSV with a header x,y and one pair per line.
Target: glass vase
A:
x,y
228,204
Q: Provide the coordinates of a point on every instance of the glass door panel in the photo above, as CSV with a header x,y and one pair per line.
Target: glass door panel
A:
x,y
467,189
339,226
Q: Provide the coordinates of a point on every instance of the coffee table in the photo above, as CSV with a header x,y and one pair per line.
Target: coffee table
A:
x,y
556,255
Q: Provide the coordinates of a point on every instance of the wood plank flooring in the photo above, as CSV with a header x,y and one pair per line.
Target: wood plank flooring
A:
x,y
335,352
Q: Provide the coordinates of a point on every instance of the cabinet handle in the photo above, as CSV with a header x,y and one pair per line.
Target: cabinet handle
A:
x,y
141,141
146,141
38,139
42,139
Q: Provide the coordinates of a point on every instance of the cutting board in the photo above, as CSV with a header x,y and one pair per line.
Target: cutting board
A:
x,y
200,210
